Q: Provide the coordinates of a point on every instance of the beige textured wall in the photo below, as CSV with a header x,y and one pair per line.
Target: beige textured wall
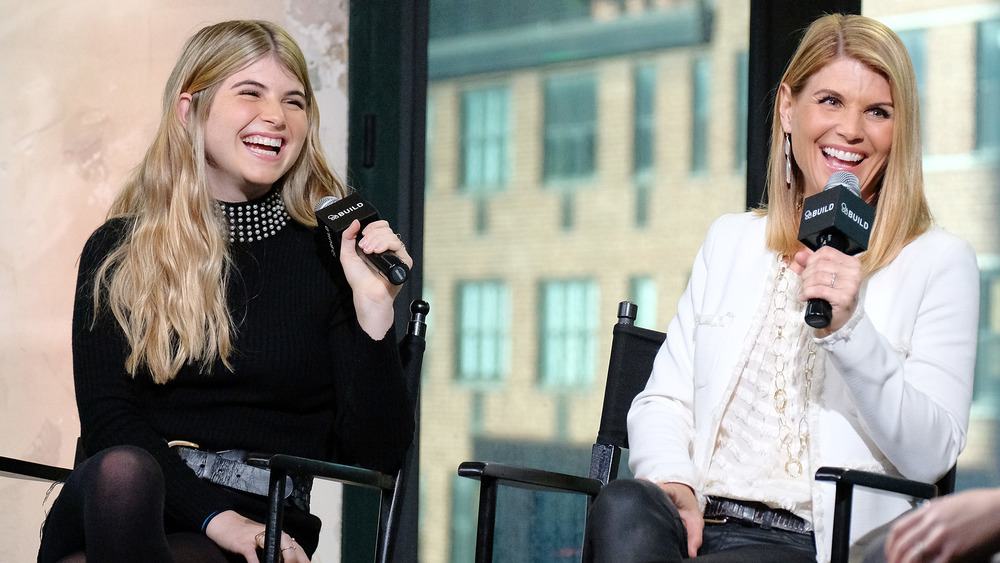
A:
x,y
82,84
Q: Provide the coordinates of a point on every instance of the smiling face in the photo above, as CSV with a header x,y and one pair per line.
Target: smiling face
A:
x,y
841,120
255,130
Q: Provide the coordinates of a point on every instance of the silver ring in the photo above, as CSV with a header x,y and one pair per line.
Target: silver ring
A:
x,y
920,549
833,278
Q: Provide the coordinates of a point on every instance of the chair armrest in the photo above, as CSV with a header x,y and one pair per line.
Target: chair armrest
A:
x,y
877,481
845,480
347,474
282,465
30,470
529,478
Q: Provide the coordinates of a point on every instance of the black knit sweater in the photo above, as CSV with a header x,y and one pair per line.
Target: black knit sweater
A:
x,y
307,380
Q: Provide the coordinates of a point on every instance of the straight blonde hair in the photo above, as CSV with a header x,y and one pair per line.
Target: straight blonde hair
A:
x,y
166,283
902,213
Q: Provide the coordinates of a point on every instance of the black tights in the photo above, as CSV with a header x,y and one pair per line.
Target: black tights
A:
x,y
111,509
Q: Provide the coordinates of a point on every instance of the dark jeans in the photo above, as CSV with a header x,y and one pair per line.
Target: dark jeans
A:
x,y
633,521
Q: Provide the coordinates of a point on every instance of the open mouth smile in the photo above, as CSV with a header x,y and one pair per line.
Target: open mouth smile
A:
x,y
268,146
849,158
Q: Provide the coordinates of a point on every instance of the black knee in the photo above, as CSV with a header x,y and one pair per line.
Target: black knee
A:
x,y
623,501
111,504
633,520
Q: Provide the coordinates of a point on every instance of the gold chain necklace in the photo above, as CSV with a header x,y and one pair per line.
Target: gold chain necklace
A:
x,y
780,346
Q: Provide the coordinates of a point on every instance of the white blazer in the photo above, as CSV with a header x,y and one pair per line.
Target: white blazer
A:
x,y
897,388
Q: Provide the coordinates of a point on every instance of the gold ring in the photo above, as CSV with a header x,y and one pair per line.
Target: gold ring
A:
x,y
260,539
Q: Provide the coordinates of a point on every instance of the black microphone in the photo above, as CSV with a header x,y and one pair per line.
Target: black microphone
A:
x,y
839,218
336,214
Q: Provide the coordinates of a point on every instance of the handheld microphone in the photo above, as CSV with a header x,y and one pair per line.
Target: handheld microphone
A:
x,y
839,218
336,214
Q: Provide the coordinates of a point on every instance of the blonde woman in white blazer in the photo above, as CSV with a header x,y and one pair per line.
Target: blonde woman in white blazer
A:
x,y
745,400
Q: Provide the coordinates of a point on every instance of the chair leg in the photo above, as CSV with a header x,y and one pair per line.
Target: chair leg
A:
x,y
275,515
487,520
388,520
842,522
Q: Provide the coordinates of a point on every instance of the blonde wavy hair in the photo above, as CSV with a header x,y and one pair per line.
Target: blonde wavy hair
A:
x,y
166,283
902,213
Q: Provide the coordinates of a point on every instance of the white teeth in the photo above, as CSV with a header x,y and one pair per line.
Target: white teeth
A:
x,y
262,140
842,155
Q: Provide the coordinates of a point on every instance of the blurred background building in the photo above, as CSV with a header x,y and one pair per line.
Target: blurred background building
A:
x,y
577,151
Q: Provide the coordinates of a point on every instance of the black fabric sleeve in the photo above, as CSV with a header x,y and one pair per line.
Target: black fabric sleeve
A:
x,y
375,423
107,403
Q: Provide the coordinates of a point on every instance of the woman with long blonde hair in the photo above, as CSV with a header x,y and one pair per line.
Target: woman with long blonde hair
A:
x,y
746,400
212,320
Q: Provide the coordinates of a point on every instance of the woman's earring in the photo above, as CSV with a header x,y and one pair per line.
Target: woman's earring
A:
x,y
788,161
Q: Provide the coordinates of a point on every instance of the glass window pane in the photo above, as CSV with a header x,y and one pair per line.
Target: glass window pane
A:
x,y
642,292
568,338
645,117
914,41
551,212
570,126
484,139
482,332
700,103
988,85
742,102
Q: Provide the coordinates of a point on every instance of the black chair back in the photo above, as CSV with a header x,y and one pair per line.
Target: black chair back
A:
x,y
632,352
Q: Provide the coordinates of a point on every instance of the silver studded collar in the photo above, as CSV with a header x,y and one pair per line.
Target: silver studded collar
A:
x,y
255,220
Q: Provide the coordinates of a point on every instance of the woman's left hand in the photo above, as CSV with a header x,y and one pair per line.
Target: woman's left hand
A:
x,y
834,276
373,294
238,534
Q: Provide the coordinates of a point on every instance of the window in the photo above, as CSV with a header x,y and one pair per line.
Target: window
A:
x,y
560,233
986,391
645,122
485,139
700,80
642,292
534,526
570,126
644,139
464,508
568,334
483,332
913,39
988,85
741,115
643,189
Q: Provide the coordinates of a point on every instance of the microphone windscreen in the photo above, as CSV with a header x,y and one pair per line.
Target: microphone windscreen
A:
x,y
845,179
326,201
